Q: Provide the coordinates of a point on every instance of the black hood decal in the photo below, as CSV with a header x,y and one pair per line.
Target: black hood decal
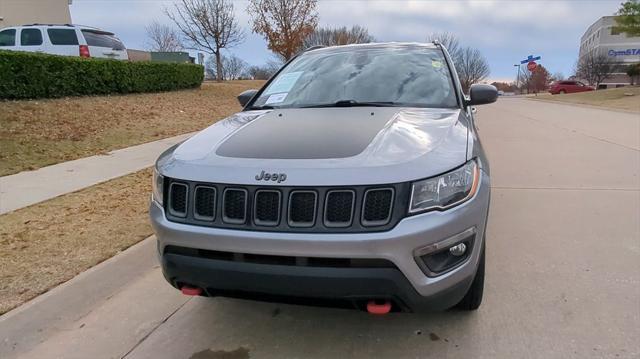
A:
x,y
308,133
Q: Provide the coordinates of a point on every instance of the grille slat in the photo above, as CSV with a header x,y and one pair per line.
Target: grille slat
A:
x,y
377,207
267,208
178,199
235,205
205,203
302,208
339,208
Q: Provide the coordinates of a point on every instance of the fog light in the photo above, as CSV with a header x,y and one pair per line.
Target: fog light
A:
x,y
458,250
441,257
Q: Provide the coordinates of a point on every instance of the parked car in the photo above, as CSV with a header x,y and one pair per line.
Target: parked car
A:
x,y
354,177
68,40
559,87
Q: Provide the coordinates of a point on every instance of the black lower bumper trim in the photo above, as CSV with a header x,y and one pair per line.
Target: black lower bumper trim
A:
x,y
336,287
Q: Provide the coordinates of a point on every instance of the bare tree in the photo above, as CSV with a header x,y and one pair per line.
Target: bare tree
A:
x,y
450,41
472,67
162,37
595,67
557,76
525,81
338,36
234,67
259,73
211,67
208,26
284,23
265,71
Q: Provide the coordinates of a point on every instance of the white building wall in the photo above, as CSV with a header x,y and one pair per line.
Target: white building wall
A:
x,y
620,48
20,12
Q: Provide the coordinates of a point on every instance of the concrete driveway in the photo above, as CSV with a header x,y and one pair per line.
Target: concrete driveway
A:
x,y
563,271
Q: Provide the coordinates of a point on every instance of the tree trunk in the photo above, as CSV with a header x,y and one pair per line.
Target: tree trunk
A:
x,y
218,66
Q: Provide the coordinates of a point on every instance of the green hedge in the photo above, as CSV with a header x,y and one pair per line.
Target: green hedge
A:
x,y
31,75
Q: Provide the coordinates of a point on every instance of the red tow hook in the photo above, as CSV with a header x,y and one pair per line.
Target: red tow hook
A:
x,y
378,309
189,290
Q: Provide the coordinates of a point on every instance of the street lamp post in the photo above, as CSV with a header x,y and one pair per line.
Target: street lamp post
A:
x,y
517,76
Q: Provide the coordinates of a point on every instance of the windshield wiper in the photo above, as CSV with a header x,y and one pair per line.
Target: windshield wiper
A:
x,y
352,103
263,107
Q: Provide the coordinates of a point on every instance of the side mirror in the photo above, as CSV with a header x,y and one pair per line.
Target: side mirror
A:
x,y
246,96
482,94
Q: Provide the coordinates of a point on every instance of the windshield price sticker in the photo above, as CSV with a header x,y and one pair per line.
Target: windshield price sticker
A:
x,y
276,98
284,83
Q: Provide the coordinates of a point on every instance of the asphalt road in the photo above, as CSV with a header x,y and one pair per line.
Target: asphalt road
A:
x,y
563,271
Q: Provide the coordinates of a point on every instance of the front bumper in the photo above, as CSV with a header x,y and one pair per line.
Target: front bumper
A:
x,y
407,283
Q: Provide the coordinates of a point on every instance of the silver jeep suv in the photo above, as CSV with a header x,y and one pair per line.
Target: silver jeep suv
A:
x,y
354,178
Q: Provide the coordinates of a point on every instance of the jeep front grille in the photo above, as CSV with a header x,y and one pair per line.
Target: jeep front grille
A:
x,y
235,205
287,209
205,203
377,206
267,208
178,199
302,208
339,208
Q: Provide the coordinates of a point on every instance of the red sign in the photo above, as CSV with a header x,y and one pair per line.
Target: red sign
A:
x,y
531,66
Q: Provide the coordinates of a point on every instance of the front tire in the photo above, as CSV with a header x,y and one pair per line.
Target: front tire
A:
x,y
473,298
562,92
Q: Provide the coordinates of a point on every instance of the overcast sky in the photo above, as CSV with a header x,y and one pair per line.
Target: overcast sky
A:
x,y
505,31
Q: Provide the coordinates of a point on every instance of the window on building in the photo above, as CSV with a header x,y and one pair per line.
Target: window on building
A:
x,y
30,37
8,37
63,36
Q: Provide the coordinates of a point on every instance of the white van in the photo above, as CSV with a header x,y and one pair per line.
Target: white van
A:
x,y
67,40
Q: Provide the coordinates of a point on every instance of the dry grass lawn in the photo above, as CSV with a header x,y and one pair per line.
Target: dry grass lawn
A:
x,y
38,133
617,98
49,243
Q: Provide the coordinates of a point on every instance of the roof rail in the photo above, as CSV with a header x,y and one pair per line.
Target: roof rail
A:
x,y
87,26
37,24
314,47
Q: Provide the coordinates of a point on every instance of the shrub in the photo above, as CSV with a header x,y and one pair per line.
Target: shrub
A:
x,y
32,75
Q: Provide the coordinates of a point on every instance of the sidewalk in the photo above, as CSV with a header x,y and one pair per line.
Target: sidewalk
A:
x,y
26,188
62,310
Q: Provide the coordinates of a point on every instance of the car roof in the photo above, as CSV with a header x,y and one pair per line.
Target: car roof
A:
x,y
374,45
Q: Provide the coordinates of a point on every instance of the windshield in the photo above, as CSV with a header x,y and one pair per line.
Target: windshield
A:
x,y
391,76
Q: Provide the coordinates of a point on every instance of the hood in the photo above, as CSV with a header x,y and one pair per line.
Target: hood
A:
x,y
323,146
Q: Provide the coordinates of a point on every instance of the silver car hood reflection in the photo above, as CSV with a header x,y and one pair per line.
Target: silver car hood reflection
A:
x,y
323,146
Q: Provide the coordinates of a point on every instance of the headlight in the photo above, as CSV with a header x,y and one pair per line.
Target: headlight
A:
x,y
157,185
446,190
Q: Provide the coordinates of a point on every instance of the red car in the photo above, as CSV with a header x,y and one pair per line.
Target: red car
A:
x,y
568,87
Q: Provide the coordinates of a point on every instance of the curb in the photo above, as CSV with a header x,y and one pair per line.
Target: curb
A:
x,y
585,106
32,322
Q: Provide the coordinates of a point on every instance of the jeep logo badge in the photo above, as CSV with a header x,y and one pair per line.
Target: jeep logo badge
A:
x,y
263,176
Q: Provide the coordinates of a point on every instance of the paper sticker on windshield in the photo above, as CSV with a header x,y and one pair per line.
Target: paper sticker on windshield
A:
x,y
436,64
284,83
276,98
